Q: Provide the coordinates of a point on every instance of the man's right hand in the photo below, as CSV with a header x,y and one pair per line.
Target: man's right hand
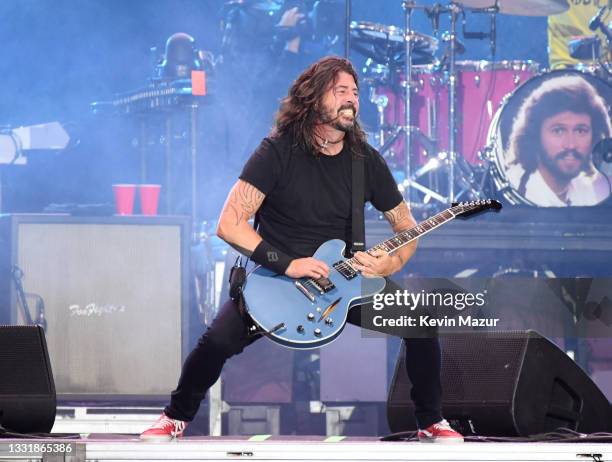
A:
x,y
307,267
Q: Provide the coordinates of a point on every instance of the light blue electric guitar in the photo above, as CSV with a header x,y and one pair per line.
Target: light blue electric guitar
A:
x,y
307,313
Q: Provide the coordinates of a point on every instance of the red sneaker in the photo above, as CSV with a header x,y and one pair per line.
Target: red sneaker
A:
x,y
164,429
440,432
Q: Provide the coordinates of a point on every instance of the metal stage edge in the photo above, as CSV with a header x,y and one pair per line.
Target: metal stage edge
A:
x,y
316,449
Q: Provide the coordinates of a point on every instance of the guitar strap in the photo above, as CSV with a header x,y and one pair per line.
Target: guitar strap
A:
x,y
357,202
357,235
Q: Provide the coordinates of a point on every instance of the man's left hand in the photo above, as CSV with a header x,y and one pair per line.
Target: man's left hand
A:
x,y
377,263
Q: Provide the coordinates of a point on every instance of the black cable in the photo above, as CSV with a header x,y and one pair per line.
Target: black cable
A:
x,y
400,436
17,275
559,435
5,433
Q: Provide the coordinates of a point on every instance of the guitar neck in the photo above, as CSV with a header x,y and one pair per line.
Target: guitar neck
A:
x,y
405,237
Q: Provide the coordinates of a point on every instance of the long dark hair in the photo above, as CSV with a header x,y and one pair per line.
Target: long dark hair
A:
x,y
301,109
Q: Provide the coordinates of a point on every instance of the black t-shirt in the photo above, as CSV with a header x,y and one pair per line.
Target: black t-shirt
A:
x,y
308,197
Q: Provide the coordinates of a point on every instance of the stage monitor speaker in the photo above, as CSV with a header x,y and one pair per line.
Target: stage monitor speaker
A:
x,y
115,297
27,391
506,384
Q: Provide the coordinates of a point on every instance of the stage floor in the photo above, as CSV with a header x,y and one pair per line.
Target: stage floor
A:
x,y
280,448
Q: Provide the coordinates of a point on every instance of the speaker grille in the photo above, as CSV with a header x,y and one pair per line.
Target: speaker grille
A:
x,y
22,367
114,293
472,374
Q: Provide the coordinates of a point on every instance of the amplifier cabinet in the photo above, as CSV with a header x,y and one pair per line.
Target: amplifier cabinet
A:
x,y
115,293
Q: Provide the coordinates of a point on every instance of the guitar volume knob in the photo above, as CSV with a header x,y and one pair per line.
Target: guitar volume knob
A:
x,y
310,316
317,332
300,329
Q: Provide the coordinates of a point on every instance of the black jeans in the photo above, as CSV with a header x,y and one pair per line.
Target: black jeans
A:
x,y
228,335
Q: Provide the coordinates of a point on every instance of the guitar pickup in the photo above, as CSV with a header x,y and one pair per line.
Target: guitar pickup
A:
x,y
324,285
345,269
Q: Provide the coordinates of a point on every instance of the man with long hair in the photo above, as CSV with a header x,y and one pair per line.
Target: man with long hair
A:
x,y
550,145
299,182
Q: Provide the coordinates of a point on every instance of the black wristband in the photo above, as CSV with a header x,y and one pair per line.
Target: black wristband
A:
x,y
271,258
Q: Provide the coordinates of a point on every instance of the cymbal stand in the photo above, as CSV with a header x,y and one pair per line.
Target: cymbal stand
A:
x,y
409,6
381,101
458,171
409,39
606,30
454,11
442,162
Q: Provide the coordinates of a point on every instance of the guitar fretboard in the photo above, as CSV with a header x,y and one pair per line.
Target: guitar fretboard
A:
x,y
403,238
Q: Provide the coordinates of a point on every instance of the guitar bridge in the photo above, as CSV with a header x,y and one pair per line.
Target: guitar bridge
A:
x,y
302,288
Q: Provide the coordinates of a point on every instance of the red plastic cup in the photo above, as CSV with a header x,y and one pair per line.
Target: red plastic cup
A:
x,y
124,198
149,198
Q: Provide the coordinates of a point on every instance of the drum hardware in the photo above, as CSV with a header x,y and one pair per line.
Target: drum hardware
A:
x,y
348,6
602,157
603,151
452,101
394,132
520,8
455,174
408,6
452,45
439,163
589,48
384,45
585,48
486,183
466,181
491,35
596,21
381,102
379,44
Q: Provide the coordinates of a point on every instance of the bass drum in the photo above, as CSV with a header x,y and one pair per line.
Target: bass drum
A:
x,y
543,135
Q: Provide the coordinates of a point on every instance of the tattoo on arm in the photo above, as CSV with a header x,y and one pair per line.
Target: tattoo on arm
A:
x,y
245,199
400,220
399,216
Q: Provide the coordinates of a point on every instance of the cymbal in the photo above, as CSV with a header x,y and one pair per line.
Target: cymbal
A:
x,y
385,43
521,7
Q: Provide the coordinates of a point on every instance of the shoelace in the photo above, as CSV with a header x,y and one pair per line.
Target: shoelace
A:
x,y
443,425
179,425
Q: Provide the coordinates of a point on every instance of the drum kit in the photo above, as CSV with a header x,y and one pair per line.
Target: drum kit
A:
x,y
444,129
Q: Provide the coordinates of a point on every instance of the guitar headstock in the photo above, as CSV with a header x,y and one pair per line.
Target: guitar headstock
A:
x,y
469,209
